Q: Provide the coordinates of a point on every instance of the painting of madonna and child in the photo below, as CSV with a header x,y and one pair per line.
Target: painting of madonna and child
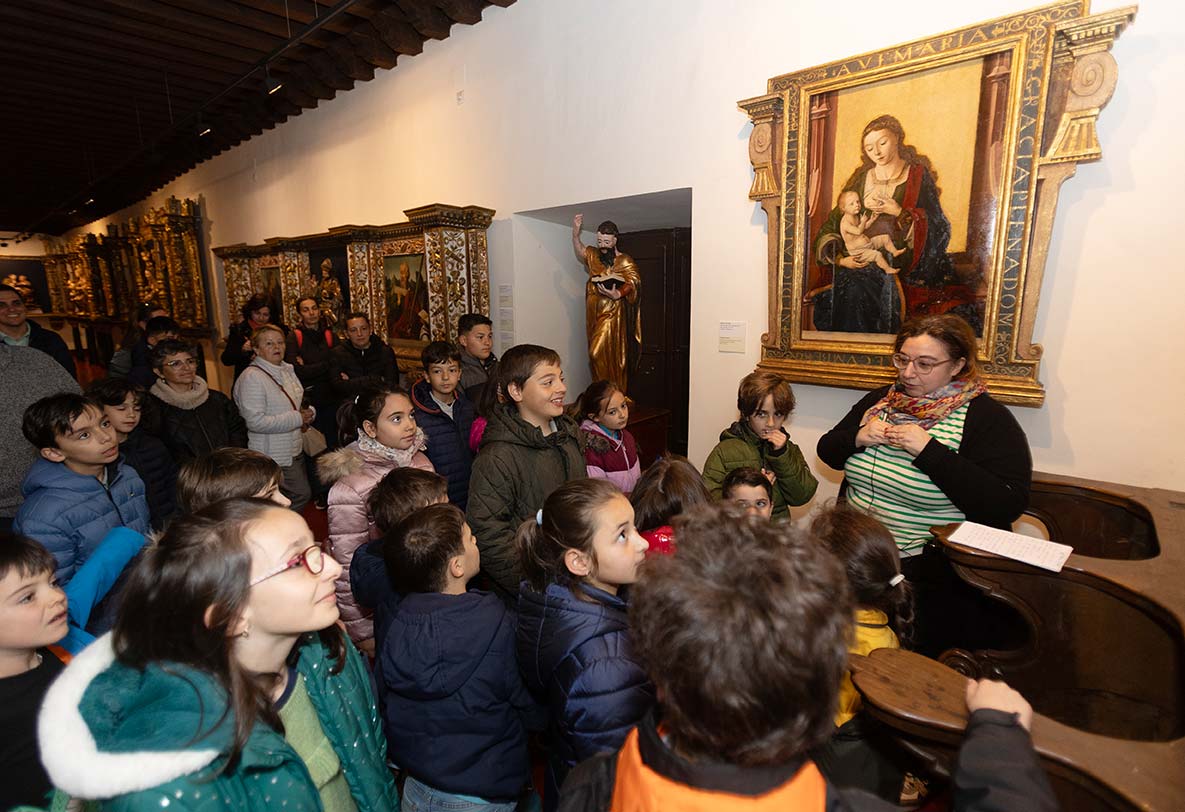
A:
x,y
904,180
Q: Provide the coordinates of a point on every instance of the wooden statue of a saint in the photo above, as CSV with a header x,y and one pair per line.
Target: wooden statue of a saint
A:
x,y
612,316
329,291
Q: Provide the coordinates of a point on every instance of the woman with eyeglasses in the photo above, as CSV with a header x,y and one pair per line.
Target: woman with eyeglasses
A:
x,y
226,683
932,448
189,417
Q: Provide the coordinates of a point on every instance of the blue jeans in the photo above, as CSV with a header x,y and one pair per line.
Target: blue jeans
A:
x,y
419,797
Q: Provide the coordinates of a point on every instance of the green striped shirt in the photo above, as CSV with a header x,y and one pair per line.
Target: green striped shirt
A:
x,y
883,481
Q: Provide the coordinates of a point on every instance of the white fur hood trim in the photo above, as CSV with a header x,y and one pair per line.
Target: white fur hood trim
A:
x,y
69,751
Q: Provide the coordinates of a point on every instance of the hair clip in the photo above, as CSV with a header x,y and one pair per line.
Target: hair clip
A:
x,y
356,399
539,517
896,579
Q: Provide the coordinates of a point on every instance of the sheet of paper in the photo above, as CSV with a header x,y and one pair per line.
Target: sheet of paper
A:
x,y
1048,555
732,336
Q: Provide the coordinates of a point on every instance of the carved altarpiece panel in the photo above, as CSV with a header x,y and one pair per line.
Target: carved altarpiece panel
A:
x,y
156,257
441,253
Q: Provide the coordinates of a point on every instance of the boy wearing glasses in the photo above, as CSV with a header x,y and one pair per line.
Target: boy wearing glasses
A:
x,y
16,330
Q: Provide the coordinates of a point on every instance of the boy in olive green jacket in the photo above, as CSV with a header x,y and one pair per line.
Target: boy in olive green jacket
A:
x,y
759,440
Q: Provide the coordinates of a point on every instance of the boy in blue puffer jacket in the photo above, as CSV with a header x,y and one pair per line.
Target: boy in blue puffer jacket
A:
x,y
446,416
79,489
455,708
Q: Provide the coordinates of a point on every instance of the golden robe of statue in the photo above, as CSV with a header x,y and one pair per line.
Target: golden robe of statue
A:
x,y
614,325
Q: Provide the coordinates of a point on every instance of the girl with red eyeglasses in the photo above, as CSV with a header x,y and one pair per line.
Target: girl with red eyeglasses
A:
x,y
226,681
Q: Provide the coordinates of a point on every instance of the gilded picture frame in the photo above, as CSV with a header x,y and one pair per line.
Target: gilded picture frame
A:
x,y
922,179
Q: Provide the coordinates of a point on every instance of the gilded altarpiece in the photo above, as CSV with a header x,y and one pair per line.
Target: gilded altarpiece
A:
x,y
414,279
153,258
983,124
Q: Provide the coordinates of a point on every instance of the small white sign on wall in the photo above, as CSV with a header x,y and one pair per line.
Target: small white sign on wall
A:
x,y
505,313
732,336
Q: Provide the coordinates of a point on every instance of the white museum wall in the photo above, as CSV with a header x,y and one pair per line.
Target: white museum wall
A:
x,y
566,101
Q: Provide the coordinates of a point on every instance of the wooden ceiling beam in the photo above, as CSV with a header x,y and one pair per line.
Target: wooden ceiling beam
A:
x,y
166,16
398,33
426,18
141,31
305,79
305,13
369,45
241,13
467,12
354,66
151,80
50,44
323,68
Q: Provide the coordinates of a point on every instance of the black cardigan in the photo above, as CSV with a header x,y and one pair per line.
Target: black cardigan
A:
x,y
988,478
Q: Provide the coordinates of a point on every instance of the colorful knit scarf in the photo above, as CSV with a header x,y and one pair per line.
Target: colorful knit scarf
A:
x,y
897,408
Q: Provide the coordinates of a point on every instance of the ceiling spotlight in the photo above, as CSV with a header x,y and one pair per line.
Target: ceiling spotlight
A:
x,y
272,85
89,201
205,131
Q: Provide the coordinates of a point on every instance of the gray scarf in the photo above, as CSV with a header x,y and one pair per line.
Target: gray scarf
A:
x,y
182,400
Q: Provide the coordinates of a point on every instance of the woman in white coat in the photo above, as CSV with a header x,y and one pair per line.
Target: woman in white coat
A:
x,y
270,398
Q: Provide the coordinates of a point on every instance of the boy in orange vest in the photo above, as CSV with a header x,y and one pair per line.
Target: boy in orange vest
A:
x,y
744,634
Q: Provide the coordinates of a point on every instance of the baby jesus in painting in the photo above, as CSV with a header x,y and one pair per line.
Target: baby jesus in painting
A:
x,y
864,248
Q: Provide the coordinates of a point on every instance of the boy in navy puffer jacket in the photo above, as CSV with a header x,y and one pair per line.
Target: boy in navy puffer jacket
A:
x,y
79,489
455,707
446,416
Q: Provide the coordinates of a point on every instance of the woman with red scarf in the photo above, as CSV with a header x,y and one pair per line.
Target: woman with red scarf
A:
x,y
932,448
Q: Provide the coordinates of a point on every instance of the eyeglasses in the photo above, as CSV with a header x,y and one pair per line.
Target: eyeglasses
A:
x,y
922,365
311,558
181,362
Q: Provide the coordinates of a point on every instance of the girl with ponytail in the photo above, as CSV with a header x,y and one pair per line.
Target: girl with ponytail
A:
x,y
379,432
577,554
883,618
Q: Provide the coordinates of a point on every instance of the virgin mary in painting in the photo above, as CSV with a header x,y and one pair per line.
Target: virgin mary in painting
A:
x,y
875,287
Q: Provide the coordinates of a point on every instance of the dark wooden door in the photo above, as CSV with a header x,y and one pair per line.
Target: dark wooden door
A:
x,y
661,379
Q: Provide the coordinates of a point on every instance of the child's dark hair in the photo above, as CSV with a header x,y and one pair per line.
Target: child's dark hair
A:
x,y
471,320
225,473
745,476
161,324
417,551
114,391
667,488
592,401
184,597
519,362
569,521
49,418
439,352
170,346
869,556
367,405
744,633
491,394
23,555
401,492
755,387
